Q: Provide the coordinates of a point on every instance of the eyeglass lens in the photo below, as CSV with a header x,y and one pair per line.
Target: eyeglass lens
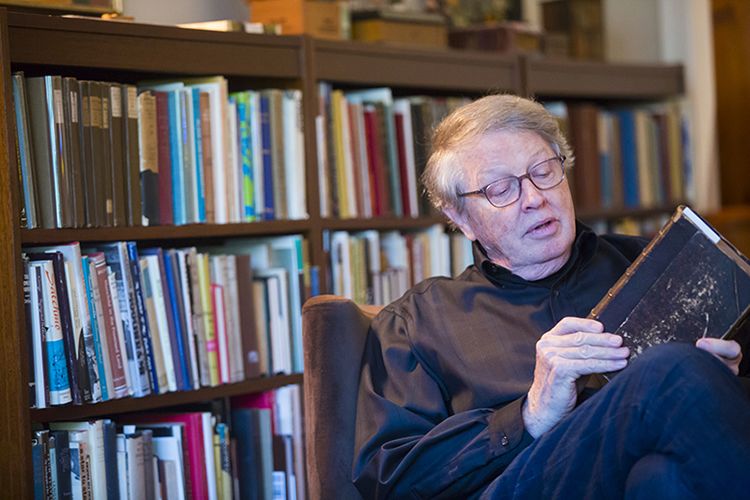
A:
x,y
544,175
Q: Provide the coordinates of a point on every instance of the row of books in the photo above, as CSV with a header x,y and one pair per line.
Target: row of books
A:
x,y
112,154
372,149
641,226
255,451
112,320
626,157
372,267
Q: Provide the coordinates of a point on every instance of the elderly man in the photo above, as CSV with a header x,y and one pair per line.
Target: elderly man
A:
x,y
469,385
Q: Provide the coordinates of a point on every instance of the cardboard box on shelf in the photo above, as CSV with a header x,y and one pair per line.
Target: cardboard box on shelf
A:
x,y
500,37
319,18
405,28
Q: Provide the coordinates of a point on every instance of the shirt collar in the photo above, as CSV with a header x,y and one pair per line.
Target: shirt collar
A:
x,y
584,247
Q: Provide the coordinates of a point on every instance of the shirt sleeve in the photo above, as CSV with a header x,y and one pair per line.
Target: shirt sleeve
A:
x,y
408,443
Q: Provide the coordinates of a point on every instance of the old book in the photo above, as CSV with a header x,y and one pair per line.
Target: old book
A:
x,y
148,140
584,132
115,123
131,157
688,283
46,149
29,217
207,159
72,124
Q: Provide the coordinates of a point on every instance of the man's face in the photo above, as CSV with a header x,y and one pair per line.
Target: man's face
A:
x,y
533,236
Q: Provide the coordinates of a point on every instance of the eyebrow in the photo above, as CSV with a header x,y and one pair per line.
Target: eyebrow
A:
x,y
496,172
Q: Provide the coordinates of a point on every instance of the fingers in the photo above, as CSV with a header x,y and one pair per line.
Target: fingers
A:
x,y
572,324
728,349
575,368
574,339
594,352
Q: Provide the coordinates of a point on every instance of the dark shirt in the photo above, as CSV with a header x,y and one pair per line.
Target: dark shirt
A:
x,y
447,367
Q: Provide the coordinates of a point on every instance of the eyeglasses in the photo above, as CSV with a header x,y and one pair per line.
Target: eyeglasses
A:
x,y
506,191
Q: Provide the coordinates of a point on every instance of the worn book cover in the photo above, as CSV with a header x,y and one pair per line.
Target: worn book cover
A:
x,y
688,283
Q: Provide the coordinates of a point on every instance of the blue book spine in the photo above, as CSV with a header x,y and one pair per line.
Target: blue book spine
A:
x,y
139,377
182,360
200,188
629,156
248,184
175,150
28,200
95,328
37,465
265,132
148,349
109,429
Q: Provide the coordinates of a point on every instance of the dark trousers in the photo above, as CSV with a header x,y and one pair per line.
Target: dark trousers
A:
x,y
675,424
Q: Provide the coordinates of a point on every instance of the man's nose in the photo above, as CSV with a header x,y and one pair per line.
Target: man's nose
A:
x,y
531,195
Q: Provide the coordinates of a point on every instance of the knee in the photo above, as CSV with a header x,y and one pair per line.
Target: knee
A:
x,y
674,364
679,359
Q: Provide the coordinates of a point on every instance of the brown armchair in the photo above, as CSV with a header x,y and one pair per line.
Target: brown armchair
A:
x,y
334,331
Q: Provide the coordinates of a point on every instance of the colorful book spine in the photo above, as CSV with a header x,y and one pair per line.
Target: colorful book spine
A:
x,y
96,334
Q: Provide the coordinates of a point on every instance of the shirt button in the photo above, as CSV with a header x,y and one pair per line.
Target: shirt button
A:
x,y
504,441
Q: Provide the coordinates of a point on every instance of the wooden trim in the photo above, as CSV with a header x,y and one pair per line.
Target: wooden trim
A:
x,y
162,233
441,70
619,213
150,49
131,405
383,223
594,80
15,459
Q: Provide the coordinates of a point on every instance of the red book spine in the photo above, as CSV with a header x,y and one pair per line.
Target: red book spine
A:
x,y
372,161
402,166
165,159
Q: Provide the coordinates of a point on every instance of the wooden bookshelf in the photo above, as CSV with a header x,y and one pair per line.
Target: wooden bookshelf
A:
x,y
131,405
163,233
563,79
128,52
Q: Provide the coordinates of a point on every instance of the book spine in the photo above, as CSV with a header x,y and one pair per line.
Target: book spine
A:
x,y
116,356
148,354
94,312
200,177
131,154
63,294
164,155
268,191
25,159
57,369
175,298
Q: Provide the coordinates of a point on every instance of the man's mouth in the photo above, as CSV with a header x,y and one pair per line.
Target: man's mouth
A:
x,y
541,227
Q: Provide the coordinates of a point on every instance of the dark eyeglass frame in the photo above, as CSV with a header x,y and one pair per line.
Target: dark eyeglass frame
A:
x,y
519,178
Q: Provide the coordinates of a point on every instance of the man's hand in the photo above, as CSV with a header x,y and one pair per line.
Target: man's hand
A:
x,y
728,351
573,348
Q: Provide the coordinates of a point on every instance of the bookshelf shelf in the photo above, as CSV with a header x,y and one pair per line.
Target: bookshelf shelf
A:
x,y
382,223
617,213
130,405
149,49
592,80
161,233
449,70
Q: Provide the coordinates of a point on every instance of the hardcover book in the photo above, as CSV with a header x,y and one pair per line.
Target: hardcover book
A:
x,y
688,283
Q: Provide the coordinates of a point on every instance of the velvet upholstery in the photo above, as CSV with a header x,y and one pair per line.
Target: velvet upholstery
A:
x,y
334,331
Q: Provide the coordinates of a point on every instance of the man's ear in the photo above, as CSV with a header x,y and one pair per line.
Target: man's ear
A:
x,y
461,220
